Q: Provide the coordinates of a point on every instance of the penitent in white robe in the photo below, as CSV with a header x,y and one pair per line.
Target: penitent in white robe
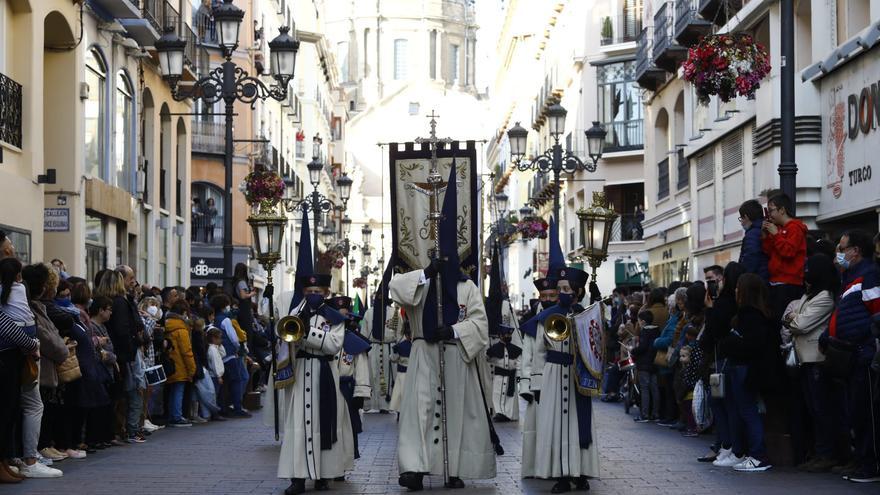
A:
x,y
399,379
382,370
420,446
357,366
301,455
557,450
501,402
529,424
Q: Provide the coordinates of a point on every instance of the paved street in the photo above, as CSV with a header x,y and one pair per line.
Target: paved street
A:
x,y
240,457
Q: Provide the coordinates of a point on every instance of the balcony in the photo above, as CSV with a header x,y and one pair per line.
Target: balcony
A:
x,y
118,9
717,12
618,29
208,137
205,27
10,112
668,54
624,135
689,26
648,75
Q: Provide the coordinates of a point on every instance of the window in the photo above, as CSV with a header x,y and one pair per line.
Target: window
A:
x,y
684,171
620,106
96,245
342,59
663,179
162,240
453,63
400,61
366,52
207,213
122,132
432,55
96,76
21,239
143,247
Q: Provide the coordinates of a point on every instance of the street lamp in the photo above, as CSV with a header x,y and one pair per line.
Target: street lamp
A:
x,y
595,142
501,202
346,226
315,167
344,185
555,159
366,234
595,226
228,83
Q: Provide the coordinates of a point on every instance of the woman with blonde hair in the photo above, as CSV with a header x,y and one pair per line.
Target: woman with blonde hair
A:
x,y
150,310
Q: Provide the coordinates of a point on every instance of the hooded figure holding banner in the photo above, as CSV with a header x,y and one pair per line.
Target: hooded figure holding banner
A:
x,y
460,331
565,447
314,415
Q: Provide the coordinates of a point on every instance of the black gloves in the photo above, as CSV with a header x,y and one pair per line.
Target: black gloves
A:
x,y
595,293
528,397
537,396
358,403
434,268
269,291
442,333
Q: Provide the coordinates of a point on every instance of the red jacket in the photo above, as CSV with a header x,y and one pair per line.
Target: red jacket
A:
x,y
787,251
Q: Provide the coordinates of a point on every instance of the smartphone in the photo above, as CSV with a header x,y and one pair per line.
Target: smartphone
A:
x,y
712,287
766,213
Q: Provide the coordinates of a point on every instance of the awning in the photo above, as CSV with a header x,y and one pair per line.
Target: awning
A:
x,y
853,47
630,273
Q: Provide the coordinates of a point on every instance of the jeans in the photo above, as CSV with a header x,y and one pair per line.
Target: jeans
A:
x,y
650,394
32,415
175,400
725,423
863,415
814,387
133,410
745,405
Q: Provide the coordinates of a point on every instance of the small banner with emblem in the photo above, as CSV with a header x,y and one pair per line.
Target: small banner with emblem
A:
x,y
590,357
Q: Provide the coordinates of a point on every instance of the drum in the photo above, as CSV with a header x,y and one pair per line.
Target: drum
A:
x,y
155,375
626,364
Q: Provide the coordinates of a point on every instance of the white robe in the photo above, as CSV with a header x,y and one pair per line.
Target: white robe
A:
x,y
420,446
501,403
529,417
557,450
399,380
301,455
382,370
357,366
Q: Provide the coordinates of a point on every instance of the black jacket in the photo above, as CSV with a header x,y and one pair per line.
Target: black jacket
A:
x,y
718,324
644,353
752,344
200,352
124,326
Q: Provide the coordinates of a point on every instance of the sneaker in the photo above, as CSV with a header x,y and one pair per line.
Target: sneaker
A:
x,y
198,420
667,424
75,454
846,469
43,460
53,454
864,476
240,414
38,470
726,458
149,426
179,423
751,465
136,439
640,419
144,433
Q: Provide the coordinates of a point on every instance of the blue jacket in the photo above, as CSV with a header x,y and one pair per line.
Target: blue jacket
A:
x,y
751,255
858,303
665,339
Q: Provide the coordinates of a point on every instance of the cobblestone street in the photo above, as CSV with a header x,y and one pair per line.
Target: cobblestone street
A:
x,y
240,457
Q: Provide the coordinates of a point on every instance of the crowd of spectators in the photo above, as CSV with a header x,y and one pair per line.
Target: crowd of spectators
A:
x,y
89,365
786,335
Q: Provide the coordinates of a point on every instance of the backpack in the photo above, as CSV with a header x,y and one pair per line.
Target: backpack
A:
x,y
166,361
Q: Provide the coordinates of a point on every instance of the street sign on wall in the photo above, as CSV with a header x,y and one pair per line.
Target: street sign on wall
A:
x,y
56,220
851,115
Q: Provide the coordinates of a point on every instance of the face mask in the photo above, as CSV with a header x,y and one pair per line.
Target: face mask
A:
x,y
565,300
153,311
842,261
227,309
548,304
63,301
314,300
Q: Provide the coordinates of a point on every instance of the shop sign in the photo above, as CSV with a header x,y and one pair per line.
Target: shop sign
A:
x,y
851,116
56,220
203,268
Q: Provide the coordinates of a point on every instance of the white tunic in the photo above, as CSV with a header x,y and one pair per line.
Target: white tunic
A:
x,y
501,402
357,366
301,454
529,417
382,370
420,446
399,380
557,451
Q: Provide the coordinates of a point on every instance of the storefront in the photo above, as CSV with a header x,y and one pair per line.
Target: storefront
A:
x,y
669,262
850,196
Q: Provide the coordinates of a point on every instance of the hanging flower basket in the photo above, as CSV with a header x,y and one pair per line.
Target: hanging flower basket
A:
x,y
263,188
532,228
359,283
727,66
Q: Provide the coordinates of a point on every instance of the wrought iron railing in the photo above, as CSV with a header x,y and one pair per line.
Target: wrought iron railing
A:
x,y
662,28
205,27
619,28
624,135
643,51
207,226
685,12
208,137
10,111
627,227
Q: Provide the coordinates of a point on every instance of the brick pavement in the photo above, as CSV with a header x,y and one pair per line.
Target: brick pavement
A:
x,y
238,457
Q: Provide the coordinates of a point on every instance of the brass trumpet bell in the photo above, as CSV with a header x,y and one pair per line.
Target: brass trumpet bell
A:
x,y
291,329
557,327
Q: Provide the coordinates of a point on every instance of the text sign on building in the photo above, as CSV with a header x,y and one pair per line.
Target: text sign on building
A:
x,y
203,268
56,220
851,117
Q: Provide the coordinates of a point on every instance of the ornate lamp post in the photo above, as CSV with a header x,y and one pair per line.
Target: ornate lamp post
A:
x,y
316,202
555,159
228,83
595,226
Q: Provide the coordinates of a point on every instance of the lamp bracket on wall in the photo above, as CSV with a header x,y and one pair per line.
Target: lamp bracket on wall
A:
x,y
47,178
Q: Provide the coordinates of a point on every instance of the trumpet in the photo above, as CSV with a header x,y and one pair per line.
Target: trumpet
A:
x,y
558,327
291,328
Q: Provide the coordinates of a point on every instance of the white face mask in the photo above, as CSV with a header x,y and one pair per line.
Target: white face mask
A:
x,y
227,309
153,311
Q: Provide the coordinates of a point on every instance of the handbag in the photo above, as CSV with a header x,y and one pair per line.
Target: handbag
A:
x,y
30,371
838,358
716,380
661,359
68,370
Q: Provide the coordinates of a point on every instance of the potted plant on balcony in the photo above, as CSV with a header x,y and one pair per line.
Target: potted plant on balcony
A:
x,y
263,189
607,31
727,66
532,227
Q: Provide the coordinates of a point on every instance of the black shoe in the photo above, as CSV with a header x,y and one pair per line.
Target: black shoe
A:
x,y
411,480
561,486
297,485
217,417
454,482
322,485
341,478
582,484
